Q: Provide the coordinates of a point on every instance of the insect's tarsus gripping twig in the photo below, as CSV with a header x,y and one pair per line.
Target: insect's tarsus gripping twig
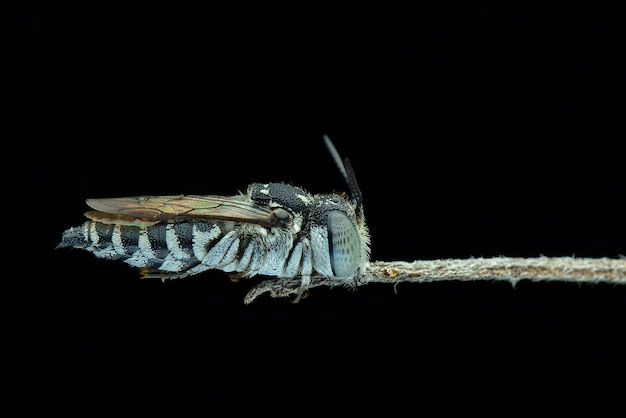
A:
x,y
511,269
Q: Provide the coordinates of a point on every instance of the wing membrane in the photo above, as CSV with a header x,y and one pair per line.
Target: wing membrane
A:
x,y
162,208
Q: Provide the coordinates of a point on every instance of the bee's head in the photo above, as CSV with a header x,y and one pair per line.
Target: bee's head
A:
x,y
339,237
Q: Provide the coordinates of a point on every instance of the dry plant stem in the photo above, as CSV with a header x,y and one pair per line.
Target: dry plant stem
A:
x,y
563,269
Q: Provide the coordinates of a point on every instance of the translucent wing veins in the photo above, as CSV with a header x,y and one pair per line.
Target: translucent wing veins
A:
x,y
163,208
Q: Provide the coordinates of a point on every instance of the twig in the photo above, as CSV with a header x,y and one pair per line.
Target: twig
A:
x,y
563,269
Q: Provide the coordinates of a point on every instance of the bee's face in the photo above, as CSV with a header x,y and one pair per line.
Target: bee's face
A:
x,y
339,236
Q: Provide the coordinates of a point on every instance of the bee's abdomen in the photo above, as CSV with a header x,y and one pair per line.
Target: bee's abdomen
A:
x,y
170,247
182,248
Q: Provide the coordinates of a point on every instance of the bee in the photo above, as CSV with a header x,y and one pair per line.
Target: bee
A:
x,y
274,229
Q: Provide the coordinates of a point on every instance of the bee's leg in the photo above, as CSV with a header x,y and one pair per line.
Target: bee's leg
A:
x,y
150,273
303,290
305,272
234,277
277,288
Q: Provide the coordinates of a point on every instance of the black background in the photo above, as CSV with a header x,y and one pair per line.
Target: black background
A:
x,y
475,130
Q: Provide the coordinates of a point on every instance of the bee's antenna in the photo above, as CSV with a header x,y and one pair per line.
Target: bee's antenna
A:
x,y
345,167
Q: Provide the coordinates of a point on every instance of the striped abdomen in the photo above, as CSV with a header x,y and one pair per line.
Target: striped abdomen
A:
x,y
182,248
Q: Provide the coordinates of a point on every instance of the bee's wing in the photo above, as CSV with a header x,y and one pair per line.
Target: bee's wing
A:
x,y
150,210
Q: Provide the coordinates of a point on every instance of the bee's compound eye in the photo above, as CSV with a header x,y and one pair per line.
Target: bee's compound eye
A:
x,y
344,244
281,215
